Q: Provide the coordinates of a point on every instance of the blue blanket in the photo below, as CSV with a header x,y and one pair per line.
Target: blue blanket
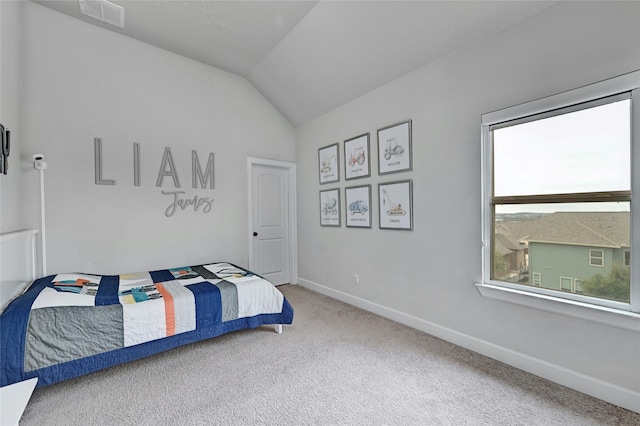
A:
x,y
67,325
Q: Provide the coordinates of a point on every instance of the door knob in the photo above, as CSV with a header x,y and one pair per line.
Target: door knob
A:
x,y
255,234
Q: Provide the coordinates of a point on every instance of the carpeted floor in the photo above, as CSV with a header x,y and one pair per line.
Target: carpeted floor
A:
x,y
336,365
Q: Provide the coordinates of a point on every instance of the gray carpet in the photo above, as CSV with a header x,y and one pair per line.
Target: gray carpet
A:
x,y
336,365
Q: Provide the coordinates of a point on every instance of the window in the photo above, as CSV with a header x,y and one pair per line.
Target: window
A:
x,y
596,257
537,278
557,185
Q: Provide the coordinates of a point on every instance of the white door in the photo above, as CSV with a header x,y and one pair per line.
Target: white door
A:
x,y
271,250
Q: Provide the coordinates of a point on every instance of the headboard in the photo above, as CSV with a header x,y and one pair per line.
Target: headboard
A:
x,y
18,263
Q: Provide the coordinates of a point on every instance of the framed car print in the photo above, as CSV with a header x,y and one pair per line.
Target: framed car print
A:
x,y
329,158
395,201
394,148
356,157
358,206
330,207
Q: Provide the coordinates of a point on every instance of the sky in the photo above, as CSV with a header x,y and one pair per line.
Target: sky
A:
x,y
583,151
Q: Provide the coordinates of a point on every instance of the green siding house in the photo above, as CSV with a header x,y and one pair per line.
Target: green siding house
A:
x,y
566,249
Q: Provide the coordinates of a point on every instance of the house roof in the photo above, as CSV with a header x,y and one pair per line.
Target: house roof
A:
x,y
603,229
504,244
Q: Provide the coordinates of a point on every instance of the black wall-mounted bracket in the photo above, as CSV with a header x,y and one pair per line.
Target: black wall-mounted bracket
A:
x,y
5,149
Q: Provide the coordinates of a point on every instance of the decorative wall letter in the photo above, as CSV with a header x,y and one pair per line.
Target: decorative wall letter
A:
x,y
180,200
136,164
97,150
196,171
167,158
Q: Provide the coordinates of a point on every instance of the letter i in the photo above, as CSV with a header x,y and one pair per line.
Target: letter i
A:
x,y
136,164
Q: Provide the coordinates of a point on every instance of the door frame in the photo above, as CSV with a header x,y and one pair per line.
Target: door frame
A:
x,y
293,223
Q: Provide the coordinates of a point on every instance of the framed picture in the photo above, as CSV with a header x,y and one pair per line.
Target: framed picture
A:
x,y
329,159
356,157
396,205
330,207
358,206
394,148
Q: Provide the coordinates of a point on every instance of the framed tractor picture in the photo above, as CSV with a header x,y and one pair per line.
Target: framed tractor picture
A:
x,y
356,157
395,201
394,148
330,207
329,159
358,206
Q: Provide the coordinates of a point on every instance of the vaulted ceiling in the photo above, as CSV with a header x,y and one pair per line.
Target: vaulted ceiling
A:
x,y
309,57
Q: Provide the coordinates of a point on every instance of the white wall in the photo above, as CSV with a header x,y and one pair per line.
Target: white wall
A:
x,y
83,82
426,277
11,218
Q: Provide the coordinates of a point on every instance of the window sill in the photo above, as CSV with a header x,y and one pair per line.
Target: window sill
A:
x,y
603,315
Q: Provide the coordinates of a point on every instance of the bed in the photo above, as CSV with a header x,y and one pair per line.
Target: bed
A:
x,y
67,325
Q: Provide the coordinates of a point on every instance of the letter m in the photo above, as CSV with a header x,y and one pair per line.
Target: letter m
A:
x,y
196,171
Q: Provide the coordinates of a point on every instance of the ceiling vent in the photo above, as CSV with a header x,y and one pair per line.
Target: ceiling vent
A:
x,y
104,11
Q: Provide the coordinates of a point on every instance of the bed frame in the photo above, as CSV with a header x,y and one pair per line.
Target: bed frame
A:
x,y
18,257
20,279
19,262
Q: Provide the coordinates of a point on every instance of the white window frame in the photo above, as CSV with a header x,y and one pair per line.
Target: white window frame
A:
x,y
592,258
571,288
537,279
623,315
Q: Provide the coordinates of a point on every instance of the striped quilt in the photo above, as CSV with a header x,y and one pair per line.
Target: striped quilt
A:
x,y
71,317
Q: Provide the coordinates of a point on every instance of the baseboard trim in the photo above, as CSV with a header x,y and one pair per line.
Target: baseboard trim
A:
x,y
597,388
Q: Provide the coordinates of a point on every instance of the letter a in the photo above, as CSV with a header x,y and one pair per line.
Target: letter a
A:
x,y
167,158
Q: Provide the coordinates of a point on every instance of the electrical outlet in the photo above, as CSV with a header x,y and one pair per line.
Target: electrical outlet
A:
x,y
356,279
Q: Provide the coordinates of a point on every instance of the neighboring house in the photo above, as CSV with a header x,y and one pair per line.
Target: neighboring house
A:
x,y
514,254
510,244
567,248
